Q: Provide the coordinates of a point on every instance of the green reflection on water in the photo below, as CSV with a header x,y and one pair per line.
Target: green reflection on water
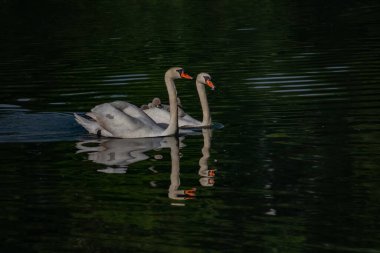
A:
x,y
296,164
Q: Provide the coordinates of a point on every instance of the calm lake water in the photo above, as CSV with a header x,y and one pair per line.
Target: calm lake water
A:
x,y
296,167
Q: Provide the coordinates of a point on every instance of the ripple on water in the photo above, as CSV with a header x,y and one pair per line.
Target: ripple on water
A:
x,y
124,79
22,125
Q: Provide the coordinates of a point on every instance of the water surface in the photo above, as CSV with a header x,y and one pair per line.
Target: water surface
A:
x,y
295,168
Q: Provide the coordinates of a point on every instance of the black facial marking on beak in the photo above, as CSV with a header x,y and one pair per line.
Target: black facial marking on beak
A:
x,y
206,78
180,71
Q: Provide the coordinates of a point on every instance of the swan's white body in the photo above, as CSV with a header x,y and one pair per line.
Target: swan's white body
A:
x,y
162,116
125,120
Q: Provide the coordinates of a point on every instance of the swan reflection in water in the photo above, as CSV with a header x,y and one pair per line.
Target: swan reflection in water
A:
x,y
207,175
118,154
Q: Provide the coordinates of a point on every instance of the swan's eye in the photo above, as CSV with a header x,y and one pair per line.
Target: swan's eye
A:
x,y
180,71
206,78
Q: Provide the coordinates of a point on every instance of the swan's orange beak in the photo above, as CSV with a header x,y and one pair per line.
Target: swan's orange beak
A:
x,y
210,84
186,76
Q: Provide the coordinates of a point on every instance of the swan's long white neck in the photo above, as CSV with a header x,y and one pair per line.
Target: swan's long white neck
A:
x,y
172,128
204,103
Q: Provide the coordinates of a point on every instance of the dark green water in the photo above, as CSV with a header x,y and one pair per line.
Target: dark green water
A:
x,y
296,164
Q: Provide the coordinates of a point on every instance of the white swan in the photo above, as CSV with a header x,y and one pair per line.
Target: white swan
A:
x,y
161,115
124,120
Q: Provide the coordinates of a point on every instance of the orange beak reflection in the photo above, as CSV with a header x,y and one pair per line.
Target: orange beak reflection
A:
x,y
190,192
186,76
210,84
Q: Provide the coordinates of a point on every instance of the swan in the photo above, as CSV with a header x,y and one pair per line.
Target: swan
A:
x,y
161,115
125,120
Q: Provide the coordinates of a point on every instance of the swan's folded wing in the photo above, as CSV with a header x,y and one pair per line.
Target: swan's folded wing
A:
x,y
158,115
114,120
123,125
133,111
